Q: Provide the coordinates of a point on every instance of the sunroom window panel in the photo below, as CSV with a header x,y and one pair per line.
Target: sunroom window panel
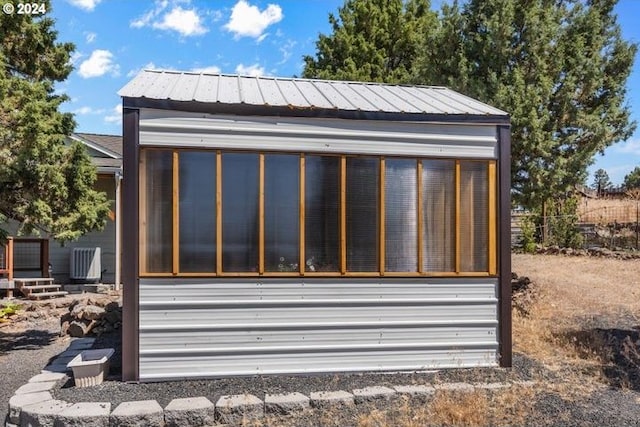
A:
x,y
362,213
474,216
282,212
157,213
401,226
322,215
197,211
438,215
239,212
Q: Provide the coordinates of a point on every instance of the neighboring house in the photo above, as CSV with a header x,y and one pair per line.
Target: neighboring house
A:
x,y
106,154
278,225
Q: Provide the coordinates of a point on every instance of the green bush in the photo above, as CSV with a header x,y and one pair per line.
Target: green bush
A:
x,y
528,237
562,224
7,310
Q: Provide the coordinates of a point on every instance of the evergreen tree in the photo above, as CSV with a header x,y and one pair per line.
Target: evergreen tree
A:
x,y
44,185
372,40
632,179
559,67
601,181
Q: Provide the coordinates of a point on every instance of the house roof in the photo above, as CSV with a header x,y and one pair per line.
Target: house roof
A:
x,y
105,150
109,144
172,89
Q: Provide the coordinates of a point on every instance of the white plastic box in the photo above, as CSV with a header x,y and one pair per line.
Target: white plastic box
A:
x,y
91,367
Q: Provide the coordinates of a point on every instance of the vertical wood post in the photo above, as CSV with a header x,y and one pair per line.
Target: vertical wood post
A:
x,y
44,257
10,258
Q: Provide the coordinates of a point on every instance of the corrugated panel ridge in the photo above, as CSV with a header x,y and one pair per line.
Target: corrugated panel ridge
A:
x,y
222,327
434,99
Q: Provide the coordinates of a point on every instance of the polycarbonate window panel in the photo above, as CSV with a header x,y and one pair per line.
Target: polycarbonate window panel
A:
x,y
239,212
362,209
281,212
157,211
400,218
322,215
197,211
474,216
438,215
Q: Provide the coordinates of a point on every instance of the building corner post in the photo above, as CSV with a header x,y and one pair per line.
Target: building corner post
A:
x,y
130,282
504,255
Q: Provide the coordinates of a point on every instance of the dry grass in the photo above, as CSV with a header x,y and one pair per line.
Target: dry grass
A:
x,y
604,211
579,299
476,409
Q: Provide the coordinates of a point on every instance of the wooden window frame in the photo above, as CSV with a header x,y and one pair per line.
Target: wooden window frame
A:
x,y
342,243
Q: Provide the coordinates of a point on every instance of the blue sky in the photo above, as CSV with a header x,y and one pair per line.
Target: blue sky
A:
x,y
116,38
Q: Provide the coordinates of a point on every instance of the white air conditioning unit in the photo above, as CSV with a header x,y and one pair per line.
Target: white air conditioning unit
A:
x,y
85,265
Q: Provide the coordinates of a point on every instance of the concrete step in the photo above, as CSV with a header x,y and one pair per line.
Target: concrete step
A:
x,y
56,294
41,287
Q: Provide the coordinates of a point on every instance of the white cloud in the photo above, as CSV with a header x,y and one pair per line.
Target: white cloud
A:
x,y
249,21
254,70
216,15
186,22
116,115
148,66
212,69
90,37
83,111
99,63
631,146
146,18
87,5
75,57
286,50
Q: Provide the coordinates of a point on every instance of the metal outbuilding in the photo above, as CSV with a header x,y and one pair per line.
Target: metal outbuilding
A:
x,y
284,225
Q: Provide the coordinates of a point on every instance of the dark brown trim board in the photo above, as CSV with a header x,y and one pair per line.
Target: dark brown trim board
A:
x,y
504,245
130,303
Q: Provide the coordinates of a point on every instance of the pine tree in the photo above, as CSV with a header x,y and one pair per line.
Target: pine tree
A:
x,y
44,185
632,179
372,40
558,67
601,181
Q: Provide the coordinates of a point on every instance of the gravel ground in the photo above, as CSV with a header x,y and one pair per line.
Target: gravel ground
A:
x,y
24,351
602,407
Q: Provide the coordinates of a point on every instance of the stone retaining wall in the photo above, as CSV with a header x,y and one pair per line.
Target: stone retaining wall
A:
x,y
33,404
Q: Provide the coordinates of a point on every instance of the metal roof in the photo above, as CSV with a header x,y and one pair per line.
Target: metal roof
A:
x,y
303,94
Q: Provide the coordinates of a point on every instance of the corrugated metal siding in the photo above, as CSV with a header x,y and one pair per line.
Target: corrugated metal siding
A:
x,y
209,328
302,93
180,129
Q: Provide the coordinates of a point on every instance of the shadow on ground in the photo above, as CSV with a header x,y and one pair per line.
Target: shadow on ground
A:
x,y
32,339
619,350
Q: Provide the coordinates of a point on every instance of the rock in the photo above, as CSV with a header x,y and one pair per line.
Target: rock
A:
x,y
77,310
112,306
92,312
190,411
113,316
79,328
238,409
285,403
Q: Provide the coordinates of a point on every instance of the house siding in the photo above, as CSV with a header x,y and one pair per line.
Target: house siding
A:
x,y
192,328
59,254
